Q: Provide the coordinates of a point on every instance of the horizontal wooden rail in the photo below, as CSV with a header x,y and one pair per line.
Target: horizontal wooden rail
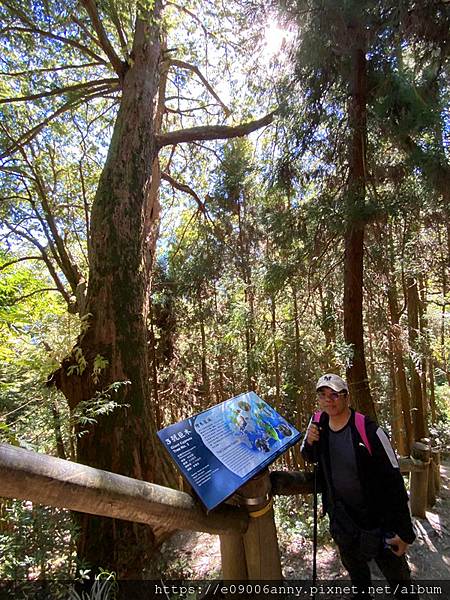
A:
x,y
286,483
412,465
55,482
27,475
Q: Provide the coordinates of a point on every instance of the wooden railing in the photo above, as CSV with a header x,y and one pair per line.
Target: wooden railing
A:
x,y
248,538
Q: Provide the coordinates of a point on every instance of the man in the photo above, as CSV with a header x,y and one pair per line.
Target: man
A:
x,y
362,488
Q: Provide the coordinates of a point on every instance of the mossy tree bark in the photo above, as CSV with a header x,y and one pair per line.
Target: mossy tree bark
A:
x,y
109,366
122,243
111,355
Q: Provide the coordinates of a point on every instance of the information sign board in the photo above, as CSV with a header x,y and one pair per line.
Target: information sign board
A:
x,y
220,449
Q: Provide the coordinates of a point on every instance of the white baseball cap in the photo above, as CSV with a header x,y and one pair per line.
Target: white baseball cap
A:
x,y
332,381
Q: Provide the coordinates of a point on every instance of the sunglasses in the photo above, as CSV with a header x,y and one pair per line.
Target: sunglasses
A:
x,y
331,395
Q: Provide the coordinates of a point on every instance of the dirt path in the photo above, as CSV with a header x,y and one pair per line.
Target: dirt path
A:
x,y
430,553
197,555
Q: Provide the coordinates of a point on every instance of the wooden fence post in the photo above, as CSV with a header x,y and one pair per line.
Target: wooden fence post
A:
x,y
232,551
419,480
436,462
262,555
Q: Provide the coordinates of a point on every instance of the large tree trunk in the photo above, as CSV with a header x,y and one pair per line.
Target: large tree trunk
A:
x,y
276,358
398,435
328,325
419,418
401,386
354,235
122,237
430,366
353,320
60,450
220,388
424,345
249,294
444,251
154,370
205,388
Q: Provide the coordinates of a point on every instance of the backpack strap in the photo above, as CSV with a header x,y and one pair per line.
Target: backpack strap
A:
x,y
316,416
360,422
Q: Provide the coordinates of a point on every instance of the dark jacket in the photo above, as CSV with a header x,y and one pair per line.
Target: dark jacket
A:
x,y
382,483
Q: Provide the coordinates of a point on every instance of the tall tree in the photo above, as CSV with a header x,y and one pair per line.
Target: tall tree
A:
x,y
126,61
330,78
357,24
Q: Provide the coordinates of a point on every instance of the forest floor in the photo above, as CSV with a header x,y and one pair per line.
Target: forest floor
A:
x,y
193,555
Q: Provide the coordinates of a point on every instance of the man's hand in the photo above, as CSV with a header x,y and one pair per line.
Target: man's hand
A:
x,y
397,545
312,434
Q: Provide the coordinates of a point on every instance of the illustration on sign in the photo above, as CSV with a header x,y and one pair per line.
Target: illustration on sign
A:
x,y
223,447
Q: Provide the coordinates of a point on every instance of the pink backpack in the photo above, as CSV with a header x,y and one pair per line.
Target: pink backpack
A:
x,y
360,426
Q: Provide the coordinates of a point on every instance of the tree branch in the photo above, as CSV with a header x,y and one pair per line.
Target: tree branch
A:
x,y
50,228
118,65
118,25
86,209
208,149
212,132
18,260
18,13
29,135
45,258
184,65
49,70
86,31
21,298
192,15
60,38
186,111
183,187
180,241
61,91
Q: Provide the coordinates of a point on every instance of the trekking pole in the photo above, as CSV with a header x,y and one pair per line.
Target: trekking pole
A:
x,y
314,572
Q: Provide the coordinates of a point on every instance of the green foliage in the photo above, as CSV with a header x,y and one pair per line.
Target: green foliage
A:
x,y
8,435
35,334
80,362
250,282
103,588
294,517
100,364
89,411
36,542
407,108
443,403
235,174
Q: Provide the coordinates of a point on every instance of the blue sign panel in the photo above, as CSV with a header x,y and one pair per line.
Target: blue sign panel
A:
x,y
223,447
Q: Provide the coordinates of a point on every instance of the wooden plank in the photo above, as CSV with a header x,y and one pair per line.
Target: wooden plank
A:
x,y
43,479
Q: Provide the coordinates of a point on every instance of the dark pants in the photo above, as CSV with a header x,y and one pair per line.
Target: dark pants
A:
x,y
394,568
